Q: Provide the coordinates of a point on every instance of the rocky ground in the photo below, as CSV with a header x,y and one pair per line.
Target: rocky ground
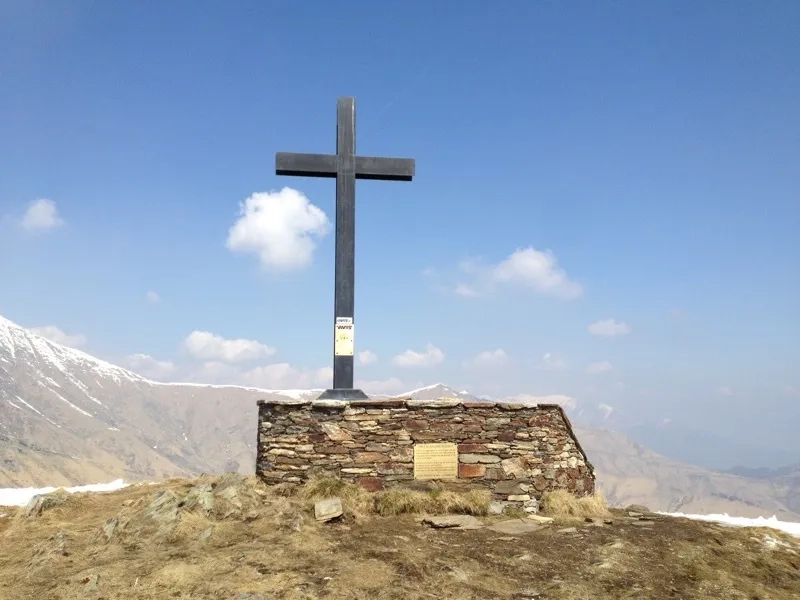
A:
x,y
232,538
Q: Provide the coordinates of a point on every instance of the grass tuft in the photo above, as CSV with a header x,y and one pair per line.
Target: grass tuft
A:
x,y
562,504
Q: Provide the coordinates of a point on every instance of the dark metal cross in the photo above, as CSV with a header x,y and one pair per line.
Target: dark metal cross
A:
x,y
346,167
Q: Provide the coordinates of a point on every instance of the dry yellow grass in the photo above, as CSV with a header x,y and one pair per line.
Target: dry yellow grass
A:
x,y
359,503
562,504
259,540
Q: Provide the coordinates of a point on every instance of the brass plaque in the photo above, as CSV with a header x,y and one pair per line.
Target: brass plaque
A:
x,y
435,461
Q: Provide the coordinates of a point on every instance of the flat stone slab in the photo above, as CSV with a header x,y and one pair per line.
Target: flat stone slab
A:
x,y
438,403
515,527
329,403
328,509
453,522
540,519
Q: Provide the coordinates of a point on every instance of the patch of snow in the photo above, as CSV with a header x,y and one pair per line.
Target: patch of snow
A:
x,y
29,406
18,341
80,410
14,405
773,523
426,389
21,496
113,429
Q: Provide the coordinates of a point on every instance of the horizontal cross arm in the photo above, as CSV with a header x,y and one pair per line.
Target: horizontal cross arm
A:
x,y
389,169
305,165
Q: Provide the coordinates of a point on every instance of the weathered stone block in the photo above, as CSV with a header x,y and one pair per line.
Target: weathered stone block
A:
x,y
478,458
469,471
471,448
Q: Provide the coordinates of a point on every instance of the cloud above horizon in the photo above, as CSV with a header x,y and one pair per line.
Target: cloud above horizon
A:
x,y
602,366
149,367
489,358
206,346
41,215
367,357
609,328
431,356
526,267
54,334
280,227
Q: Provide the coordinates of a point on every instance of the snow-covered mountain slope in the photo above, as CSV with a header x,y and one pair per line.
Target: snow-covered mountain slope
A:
x,y
66,415
435,391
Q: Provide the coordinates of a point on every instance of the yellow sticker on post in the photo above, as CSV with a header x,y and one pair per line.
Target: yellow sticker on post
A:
x,y
343,338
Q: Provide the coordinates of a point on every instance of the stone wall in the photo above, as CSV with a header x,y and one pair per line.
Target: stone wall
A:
x,y
515,450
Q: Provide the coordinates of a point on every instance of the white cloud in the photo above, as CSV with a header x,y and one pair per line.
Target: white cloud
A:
x,y
41,215
462,289
528,267
206,346
147,366
152,297
609,328
54,334
602,366
724,390
367,357
276,376
489,358
410,358
385,386
539,270
281,376
790,390
280,227
551,362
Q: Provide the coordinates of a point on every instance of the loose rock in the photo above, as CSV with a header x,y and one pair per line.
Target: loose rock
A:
x,y
515,527
325,510
540,519
453,522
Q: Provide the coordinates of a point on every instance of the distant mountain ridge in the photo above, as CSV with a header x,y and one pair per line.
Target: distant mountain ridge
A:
x,y
68,418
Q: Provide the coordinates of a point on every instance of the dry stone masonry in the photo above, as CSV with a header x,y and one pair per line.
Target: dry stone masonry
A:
x,y
515,450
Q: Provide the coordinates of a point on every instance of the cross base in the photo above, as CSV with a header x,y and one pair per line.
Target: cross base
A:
x,y
343,394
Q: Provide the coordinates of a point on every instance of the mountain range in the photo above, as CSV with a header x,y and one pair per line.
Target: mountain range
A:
x,y
68,418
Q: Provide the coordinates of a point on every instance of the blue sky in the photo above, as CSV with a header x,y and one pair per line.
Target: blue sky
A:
x,y
625,161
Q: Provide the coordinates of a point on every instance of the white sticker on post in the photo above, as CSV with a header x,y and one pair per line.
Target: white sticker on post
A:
x,y
343,339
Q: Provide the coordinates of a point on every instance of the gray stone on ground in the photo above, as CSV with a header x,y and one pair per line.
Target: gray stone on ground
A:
x,y
201,496
91,583
42,502
453,522
515,527
531,506
328,509
164,507
637,508
109,527
497,507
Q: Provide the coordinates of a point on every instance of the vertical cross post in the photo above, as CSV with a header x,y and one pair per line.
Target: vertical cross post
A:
x,y
346,167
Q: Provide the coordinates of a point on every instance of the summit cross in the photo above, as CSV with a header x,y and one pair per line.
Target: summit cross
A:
x,y
345,167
